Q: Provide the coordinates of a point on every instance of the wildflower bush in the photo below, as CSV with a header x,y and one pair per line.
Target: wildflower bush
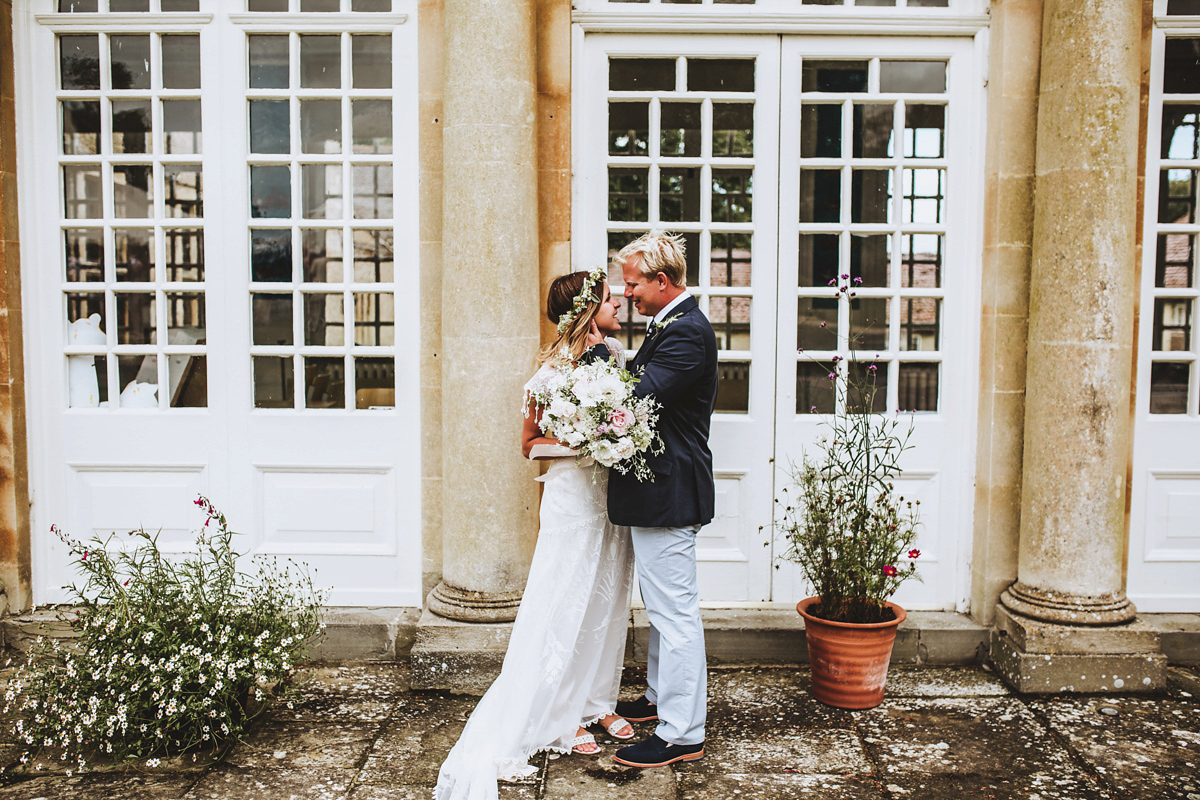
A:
x,y
173,655
841,520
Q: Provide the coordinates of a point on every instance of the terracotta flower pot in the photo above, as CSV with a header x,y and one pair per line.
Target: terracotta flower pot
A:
x,y
849,660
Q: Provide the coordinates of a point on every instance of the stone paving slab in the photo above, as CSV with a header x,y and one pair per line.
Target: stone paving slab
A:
x,y
357,732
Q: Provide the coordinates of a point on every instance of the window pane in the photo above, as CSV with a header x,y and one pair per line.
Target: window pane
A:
x,y
820,131
1177,195
189,381
869,323
271,255
871,259
924,131
371,5
270,191
274,379
628,129
184,190
1181,69
732,195
180,5
871,195
133,195
81,127
833,76
1172,324
320,61
679,195
185,317
130,60
817,323
88,384
322,191
820,195
77,6
920,323
320,5
139,377
627,194
185,255
733,130
730,318
641,74
371,61
324,383
322,255
79,61
1169,388
680,124
733,387
324,320
133,255
181,127
181,61
924,195
373,257
372,191
85,306
372,125
1175,259
84,254
921,260
270,126
374,318
321,126
268,5
81,191
917,387
720,75
268,61
374,382
730,259
819,259
272,319
912,76
867,379
815,391
873,130
135,318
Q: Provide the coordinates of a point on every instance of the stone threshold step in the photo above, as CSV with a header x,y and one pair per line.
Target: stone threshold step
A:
x,y
732,636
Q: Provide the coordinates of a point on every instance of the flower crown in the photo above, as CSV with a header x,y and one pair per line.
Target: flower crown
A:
x,y
585,296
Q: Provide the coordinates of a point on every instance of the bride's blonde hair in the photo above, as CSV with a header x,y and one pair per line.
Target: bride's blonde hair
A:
x,y
560,300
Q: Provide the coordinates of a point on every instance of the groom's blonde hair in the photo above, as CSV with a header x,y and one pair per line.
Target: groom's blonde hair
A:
x,y
660,251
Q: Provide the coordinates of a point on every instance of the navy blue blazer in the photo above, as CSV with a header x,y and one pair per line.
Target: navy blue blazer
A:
x,y
679,364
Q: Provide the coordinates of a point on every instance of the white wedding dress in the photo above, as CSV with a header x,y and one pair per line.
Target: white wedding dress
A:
x,y
563,666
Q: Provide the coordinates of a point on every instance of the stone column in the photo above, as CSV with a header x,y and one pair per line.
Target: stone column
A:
x,y
489,306
1066,624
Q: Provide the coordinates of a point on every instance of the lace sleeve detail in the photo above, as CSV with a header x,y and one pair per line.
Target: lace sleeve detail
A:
x,y
535,384
617,350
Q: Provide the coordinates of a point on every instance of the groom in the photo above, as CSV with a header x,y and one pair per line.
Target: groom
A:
x,y
679,369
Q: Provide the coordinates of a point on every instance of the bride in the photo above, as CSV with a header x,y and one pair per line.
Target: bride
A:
x,y
563,667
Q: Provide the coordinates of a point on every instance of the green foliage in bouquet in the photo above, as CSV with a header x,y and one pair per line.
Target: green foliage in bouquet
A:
x,y
173,655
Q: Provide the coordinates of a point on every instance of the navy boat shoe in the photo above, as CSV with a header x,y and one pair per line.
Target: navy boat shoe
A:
x,y
654,752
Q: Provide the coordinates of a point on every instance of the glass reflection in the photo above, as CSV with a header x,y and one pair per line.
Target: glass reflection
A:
x,y
1180,68
271,255
270,191
679,195
320,61
819,258
733,130
185,254
820,131
181,127
921,260
129,58
732,195
372,191
871,195
184,190
324,320
730,259
371,61
628,129
270,126
869,323
371,123
1179,132
871,259
185,317
862,374
374,318
1175,259
924,195
817,323
833,76
181,61
374,382
79,61
1177,196
271,319
80,127
88,381
720,75
873,124
135,318
641,74
680,124
274,381
133,193
927,77
815,390
374,256
917,386
84,254
321,185
131,126
189,381
627,194
322,256
81,191
133,254
733,387
268,61
138,369
924,131
820,195
81,305
324,382
730,318
1172,324
1169,387
321,126
920,323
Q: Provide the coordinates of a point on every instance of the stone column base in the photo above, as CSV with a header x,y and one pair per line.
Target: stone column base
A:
x,y
1037,657
461,657
463,604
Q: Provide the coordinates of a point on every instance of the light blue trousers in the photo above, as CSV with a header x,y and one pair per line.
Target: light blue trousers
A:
x,y
676,670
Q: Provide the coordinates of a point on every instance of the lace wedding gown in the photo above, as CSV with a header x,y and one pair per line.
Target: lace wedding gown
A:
x,y
563,666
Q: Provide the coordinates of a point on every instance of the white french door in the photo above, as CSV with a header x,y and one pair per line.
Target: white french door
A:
x,y
218,221
787,161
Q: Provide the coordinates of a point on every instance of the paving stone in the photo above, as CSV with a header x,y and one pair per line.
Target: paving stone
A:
x,y
744,697
306,744
970,747
1149,748
944,682
599,778
389,793
91,786
767,750
228,782
778,787
355,693
413,745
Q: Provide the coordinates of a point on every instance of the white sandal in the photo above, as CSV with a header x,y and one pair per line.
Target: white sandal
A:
x,y
616,725
578,741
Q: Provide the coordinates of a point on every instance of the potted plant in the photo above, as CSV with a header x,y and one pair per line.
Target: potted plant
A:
x,y
852,537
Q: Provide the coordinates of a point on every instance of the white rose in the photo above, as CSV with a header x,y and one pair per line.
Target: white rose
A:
x,y
623,448
562,407
573,439
604,454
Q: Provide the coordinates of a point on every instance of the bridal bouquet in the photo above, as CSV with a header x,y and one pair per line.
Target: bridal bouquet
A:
x,y
591,408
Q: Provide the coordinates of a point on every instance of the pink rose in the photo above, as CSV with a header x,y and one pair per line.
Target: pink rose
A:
x,y
620,419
